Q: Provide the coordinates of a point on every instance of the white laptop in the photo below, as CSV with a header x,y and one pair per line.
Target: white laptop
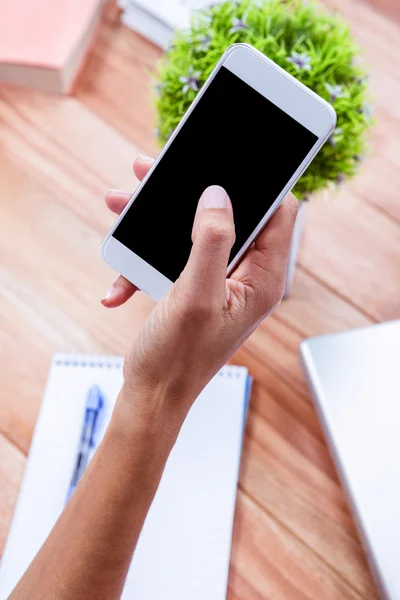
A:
x,y
355,380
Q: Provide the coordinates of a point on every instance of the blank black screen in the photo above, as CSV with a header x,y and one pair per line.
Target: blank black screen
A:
x,y
234,138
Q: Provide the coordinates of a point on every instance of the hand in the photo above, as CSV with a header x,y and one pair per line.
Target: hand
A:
x,y
198,325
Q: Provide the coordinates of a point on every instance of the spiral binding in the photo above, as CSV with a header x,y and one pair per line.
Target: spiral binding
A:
x,y
97,361
102,361
230,371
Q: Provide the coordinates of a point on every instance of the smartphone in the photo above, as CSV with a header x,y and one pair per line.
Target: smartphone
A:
x,y
252,129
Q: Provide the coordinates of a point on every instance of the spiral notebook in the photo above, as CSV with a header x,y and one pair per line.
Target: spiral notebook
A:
x,y
183,551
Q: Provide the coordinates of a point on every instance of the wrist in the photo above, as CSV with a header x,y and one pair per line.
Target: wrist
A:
x,y
147,411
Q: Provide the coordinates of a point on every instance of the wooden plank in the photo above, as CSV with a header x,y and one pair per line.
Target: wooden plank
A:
x,y
307,501
278,337
291,417
379,180
69,149
315,309
390,7
117,81
358,254
12,464
270,562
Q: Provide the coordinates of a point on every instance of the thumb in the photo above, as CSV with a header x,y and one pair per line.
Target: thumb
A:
x,y
213,236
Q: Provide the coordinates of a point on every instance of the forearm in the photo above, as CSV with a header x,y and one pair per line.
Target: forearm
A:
x,y
88,553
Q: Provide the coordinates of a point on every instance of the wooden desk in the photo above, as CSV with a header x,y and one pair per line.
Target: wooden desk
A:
x,y
294,537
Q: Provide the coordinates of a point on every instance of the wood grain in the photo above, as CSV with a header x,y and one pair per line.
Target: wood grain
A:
x,y
12,463
283,481
268,561
294,536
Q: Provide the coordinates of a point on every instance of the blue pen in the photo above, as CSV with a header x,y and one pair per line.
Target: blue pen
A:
x,y
94,406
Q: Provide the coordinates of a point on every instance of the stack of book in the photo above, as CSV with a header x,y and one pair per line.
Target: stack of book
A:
x,y
157,19
44,43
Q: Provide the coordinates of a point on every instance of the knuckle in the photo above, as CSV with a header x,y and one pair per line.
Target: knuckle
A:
x,y
196,311
197,316
218,234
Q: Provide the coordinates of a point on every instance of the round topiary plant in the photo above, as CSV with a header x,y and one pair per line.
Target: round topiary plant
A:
x,y
312,45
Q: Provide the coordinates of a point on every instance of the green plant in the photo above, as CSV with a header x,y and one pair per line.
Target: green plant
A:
x,y
314,46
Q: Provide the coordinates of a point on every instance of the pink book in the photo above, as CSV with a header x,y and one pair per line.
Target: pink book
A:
x,y
43,42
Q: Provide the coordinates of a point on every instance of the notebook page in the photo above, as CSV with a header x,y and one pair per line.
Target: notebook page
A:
x,y
184,548
185,544
52,455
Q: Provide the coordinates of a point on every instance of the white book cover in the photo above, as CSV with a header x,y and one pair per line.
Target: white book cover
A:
x,y
184,549
157,19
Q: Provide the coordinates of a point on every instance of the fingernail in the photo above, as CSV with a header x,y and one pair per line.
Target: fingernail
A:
x,y
146,159
109,293
214,197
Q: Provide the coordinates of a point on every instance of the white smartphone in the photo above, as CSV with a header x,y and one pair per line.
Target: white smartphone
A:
x,y
252,129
